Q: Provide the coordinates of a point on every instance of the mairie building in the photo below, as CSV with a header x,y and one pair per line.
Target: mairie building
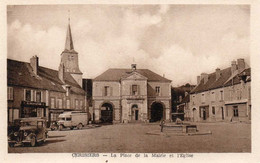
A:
x,y
131,95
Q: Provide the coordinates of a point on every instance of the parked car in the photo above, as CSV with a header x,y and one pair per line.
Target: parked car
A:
x,y
73,119
28,131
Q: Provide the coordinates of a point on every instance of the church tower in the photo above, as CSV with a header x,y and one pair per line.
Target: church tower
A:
x,y
69,58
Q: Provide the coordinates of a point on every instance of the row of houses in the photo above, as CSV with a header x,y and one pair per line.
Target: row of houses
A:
x,y
224,95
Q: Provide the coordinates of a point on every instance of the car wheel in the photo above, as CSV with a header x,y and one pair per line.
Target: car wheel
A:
x,y
33,141
60,127
80,126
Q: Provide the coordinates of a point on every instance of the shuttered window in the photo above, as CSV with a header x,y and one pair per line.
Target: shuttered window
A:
x,y
59,103
106,90
52,102
134,90
77,104
158,91
38,96
27,95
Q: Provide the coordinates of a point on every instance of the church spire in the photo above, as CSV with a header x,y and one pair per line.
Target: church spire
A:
x,y
69,41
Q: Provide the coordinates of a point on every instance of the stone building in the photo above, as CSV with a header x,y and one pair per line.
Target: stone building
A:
x,y
130,95
224,95
35,91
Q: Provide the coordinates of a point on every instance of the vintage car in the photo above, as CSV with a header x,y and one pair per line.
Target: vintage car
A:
x,y
29,131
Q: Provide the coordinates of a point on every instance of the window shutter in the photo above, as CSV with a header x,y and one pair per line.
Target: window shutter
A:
x,y
103,91
138,89
31,95
111,91
130,93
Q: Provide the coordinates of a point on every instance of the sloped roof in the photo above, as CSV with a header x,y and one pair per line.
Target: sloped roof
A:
x,y
117,74
225,79
236,79
20,74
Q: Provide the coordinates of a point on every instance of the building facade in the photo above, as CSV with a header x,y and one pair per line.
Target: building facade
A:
x,y
224,95
131,95
35,91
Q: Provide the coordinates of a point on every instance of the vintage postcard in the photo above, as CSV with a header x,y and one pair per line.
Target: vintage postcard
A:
x,y
130,81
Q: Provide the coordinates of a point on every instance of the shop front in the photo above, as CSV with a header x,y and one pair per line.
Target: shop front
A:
x,y
33,109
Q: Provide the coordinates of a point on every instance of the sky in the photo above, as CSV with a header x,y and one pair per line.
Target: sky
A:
x,y
178,41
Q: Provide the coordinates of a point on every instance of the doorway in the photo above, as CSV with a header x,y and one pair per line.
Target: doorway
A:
x,y
135,112
222,111
156,112
136,115
106,113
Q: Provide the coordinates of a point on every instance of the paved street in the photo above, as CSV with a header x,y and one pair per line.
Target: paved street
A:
x,y
226,137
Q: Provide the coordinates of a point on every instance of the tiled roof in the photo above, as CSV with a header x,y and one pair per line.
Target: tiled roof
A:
x,y
20,74
226,79
117,74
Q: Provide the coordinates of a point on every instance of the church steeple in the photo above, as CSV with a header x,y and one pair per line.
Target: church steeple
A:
x,y
69,58
69,42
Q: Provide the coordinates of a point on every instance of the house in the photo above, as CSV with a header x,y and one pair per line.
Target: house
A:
x,y
36,91
223,95
131,95
180,100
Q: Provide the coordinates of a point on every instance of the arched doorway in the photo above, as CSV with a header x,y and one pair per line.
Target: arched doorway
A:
x,y
135,112
106,113
194,111
156,112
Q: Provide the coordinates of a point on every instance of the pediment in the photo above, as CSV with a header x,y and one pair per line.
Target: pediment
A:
x,y
134,76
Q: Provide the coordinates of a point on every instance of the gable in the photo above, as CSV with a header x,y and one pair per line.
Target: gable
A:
x,y
134,76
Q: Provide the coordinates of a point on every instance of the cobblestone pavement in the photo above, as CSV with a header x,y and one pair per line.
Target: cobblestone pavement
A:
x,y
133,138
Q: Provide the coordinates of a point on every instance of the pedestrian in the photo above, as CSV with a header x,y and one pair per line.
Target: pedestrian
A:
x,y
162,123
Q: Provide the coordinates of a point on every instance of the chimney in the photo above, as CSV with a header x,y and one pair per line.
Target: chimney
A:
x,y
217,73
233,67
133,67
34,62
61,72
240,64
205,77
198,80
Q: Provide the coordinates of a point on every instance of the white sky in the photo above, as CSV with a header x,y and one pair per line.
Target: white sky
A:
x,y
180,41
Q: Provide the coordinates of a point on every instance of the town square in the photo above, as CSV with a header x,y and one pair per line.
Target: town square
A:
x,y
129,79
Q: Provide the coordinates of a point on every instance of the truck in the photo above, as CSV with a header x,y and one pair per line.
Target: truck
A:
x,y
73,119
